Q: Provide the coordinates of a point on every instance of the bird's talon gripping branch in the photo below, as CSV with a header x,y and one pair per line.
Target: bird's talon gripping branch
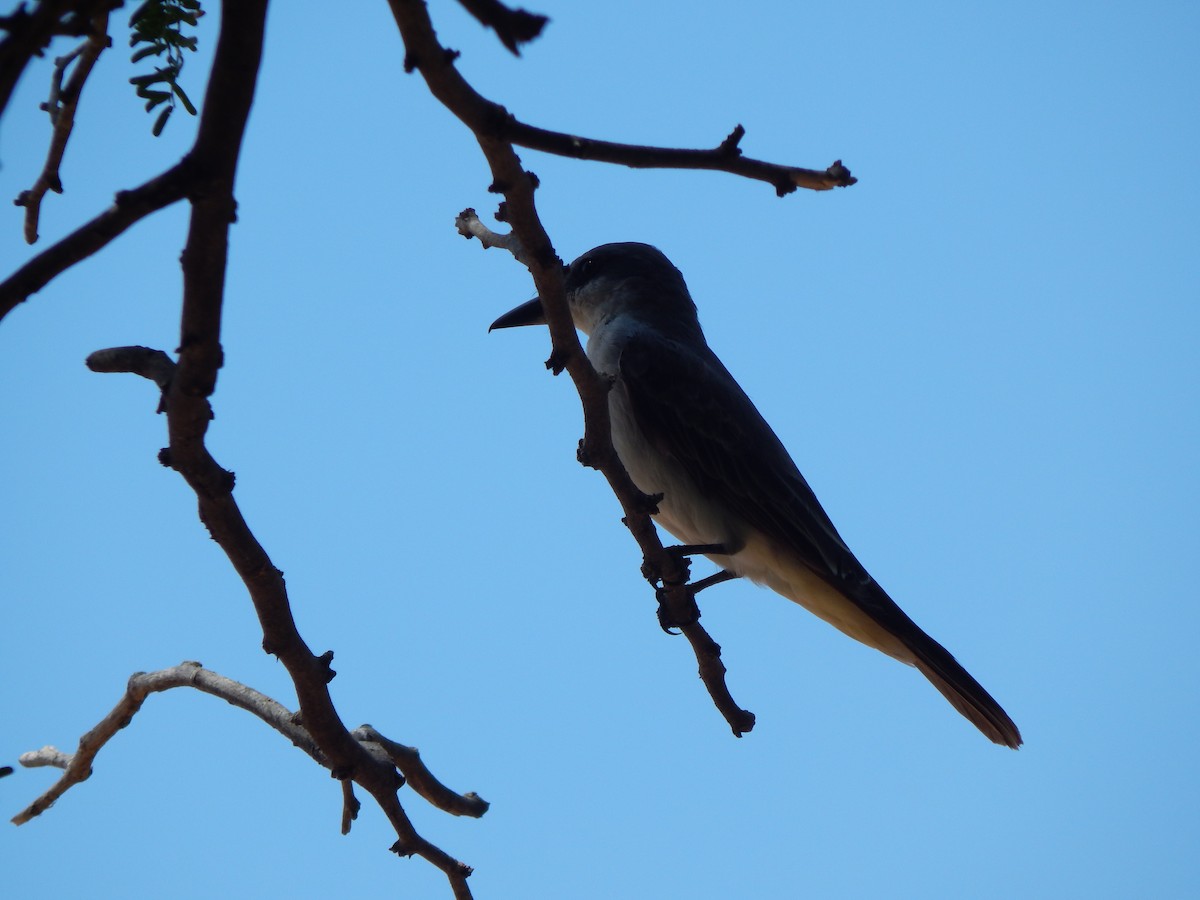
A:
x,y
674,612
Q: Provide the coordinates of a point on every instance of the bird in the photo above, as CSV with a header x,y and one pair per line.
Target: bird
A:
x,y
684,429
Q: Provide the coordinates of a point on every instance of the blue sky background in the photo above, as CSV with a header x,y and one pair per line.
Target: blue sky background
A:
x,y
983,356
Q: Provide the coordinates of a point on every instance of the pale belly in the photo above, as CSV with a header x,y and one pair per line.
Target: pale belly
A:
x,y
693,518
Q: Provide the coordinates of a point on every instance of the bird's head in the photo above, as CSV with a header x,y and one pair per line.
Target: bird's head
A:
x,y
626,279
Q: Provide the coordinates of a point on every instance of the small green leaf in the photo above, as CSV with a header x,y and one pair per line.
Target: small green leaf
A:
x,y
161,122
183,98
147,51
141,11
151,78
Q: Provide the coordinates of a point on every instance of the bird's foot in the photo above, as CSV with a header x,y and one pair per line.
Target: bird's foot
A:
x,y
653,573
676,607
676,595
717,578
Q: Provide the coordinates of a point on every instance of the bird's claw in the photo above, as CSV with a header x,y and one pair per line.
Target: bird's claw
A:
x,y
668,612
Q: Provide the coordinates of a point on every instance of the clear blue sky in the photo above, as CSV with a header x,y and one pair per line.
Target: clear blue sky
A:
x,y
983,356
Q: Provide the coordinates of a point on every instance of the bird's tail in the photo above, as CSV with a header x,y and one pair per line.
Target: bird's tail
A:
x,y
964,692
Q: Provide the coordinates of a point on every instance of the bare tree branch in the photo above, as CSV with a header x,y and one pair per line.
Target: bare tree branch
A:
x,y
206,177
30,32
725,157
513,26
213,163
368,760
489,124
78,765
129,207
420,779
152,364
469,226
61,109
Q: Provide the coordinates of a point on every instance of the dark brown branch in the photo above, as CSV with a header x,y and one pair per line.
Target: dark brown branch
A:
x,y
129,207
30,32
491,121
215,158
725,157
410,843
513,26
420,779
61,108
152,364
488,122
216,152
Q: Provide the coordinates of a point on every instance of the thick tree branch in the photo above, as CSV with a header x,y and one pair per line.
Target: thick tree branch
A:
x,y
214,160
61,108
157,366
488,122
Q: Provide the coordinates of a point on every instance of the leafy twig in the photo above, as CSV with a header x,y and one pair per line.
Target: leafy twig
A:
x,y
159,25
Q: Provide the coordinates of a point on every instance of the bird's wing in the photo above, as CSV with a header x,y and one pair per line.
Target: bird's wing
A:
x,y
690,407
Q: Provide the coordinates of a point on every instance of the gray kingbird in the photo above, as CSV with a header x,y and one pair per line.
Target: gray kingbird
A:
x,y
685,429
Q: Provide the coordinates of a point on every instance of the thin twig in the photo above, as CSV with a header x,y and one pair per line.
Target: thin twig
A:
x,y
725,157
78,765
61,108
469,226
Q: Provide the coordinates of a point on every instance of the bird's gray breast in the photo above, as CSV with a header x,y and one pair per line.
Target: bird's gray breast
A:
x,y
685,511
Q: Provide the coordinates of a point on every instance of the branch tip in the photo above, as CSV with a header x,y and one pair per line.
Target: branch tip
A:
x,y
729,146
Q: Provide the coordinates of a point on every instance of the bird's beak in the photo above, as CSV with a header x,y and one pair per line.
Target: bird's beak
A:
x,y
529,313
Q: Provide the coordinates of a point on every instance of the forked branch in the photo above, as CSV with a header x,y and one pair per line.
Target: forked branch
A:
x,y
77,766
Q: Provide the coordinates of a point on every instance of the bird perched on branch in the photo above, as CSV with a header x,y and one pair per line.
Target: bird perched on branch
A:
x,y
685,429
